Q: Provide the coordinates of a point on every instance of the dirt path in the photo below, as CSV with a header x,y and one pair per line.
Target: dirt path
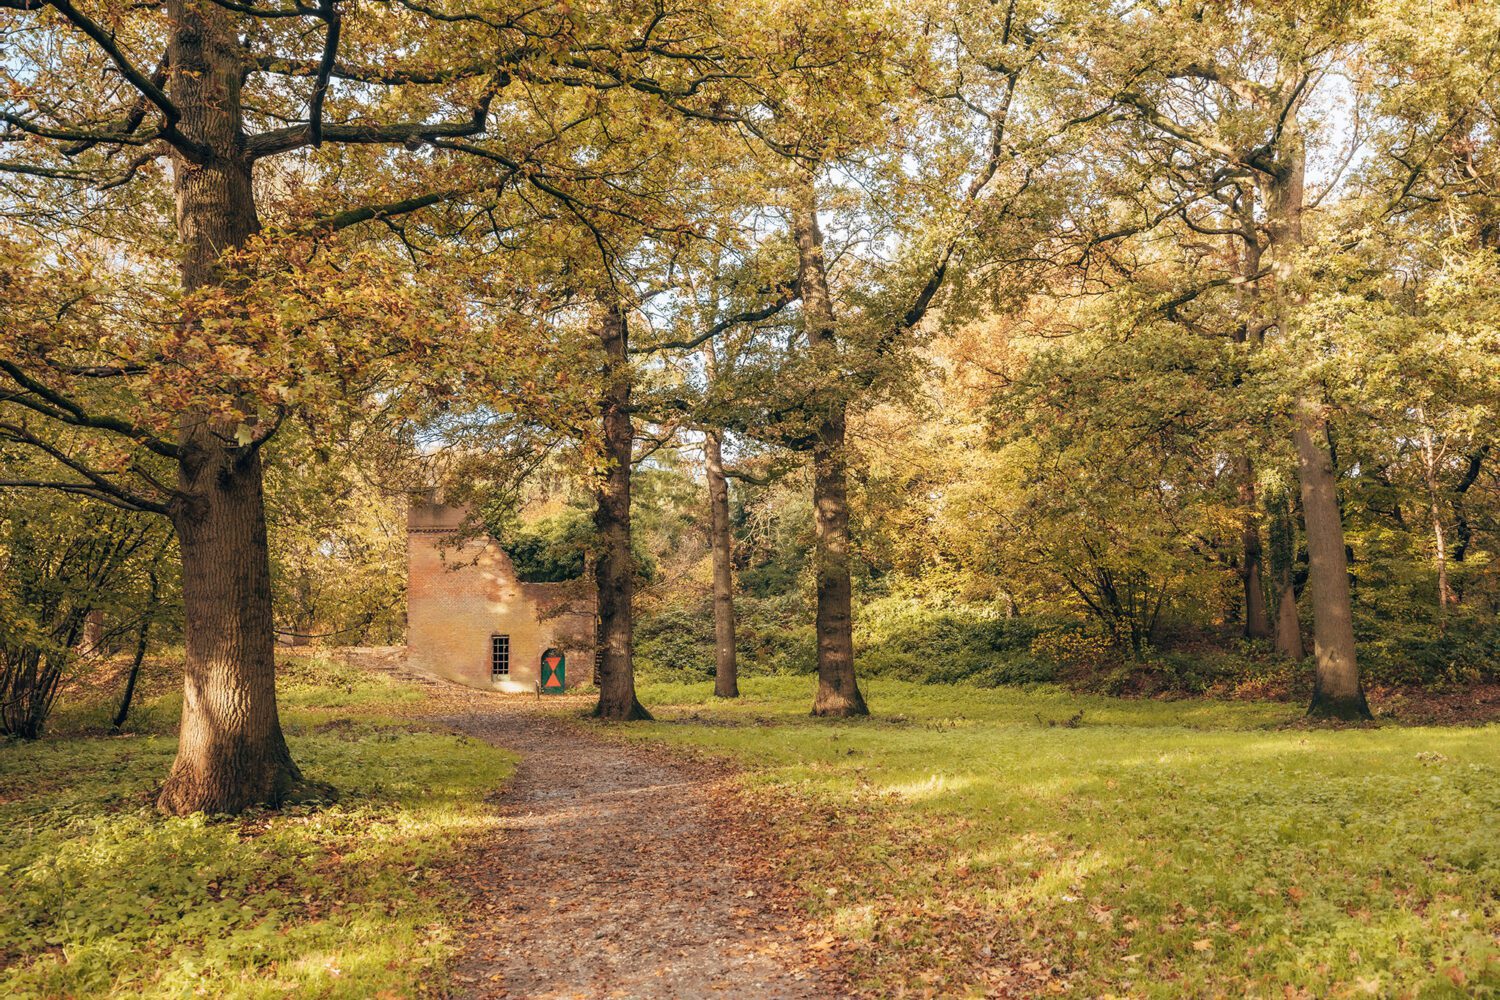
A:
x,y
616,877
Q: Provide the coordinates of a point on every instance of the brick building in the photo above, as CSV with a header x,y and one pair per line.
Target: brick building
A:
x,y
471,620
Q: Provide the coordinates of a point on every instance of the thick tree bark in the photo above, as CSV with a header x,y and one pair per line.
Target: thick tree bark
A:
x,y
614,567
726,670
1337,692
231,753
838,689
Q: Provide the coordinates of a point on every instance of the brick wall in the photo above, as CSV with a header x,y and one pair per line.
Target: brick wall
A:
x,y
461,594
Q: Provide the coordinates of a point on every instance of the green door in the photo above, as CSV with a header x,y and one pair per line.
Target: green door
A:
x,y
554,672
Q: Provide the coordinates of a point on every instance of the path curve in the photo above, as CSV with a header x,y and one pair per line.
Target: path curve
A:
x,y
615,876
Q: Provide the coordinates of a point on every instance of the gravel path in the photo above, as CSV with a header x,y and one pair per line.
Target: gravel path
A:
x,y
617,876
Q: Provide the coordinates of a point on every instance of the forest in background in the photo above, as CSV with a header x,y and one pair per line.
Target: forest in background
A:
x,y
1150,348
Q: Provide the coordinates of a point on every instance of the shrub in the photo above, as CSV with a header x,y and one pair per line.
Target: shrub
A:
x,y
903,637
1460,650
772,636
556,548
675,644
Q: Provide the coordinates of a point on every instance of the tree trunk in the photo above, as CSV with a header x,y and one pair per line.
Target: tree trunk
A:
x,y
1463,534
1288,636
726,675
1337,692
231,753
1434,507
142,641
1440,543
1283,530
1252,333
1257,623
1283,550
614,568
838,690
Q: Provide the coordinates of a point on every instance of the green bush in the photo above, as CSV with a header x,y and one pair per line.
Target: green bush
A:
x,y
1461,650
772,636
675,644
901,637
550,549
904,637
777,635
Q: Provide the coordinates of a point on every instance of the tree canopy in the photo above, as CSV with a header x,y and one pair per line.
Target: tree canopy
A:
x,y
1149,327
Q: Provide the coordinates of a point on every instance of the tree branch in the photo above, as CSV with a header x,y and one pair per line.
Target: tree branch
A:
x,y
788,296
95,480
193,150
330,16
61,408
286,139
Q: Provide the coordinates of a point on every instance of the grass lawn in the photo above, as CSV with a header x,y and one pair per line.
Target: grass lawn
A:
x,y
103,897
1188,848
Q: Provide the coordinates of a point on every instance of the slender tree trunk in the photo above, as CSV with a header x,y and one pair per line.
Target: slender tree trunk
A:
x,y
1251,333
1440,543
142,642
231,753
726,674
1257,623
1337,692
838,689
1288,624
614,568
1463,533
1434,507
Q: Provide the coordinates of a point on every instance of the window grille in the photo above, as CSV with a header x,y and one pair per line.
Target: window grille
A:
x,y
499,656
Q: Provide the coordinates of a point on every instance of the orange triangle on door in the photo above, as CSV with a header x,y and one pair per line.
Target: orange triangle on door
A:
x,y
552,681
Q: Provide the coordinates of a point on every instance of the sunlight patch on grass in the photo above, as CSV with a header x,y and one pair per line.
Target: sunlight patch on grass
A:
x,y
107,898
1155,848
930,787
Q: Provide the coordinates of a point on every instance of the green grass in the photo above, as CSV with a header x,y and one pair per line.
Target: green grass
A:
x,y
1188,848
103,897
